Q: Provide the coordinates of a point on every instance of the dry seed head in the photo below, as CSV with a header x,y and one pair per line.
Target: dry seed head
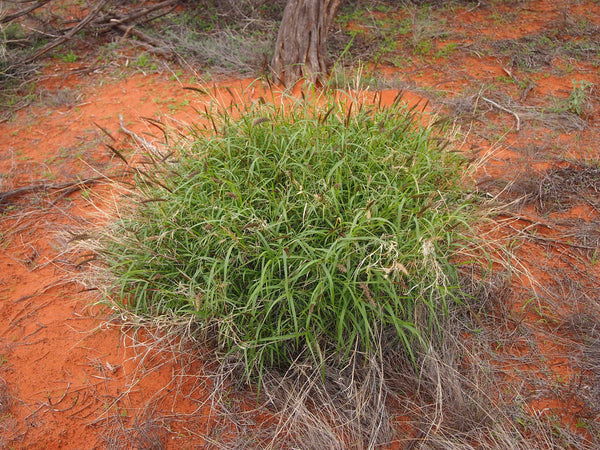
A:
x,y
396,267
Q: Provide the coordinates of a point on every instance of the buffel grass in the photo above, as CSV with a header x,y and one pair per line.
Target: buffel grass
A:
x,y
296,232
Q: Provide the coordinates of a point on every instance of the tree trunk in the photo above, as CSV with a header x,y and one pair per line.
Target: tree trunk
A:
x,y
301,48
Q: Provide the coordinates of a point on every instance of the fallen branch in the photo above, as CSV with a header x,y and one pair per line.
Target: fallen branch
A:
x,y
62,39
70,186
153,45
23,12
527,219
497,105
551,241
106,23
103,19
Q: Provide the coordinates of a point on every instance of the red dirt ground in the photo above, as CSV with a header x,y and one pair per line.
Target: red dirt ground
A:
x,y
77,381
69,370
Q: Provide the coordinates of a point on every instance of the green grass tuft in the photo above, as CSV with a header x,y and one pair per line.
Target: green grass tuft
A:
x,y
300,230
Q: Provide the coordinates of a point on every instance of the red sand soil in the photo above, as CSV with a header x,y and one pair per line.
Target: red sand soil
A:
x,y
76,380
70,372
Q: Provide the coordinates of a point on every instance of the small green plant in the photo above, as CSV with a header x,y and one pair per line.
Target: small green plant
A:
x,y
301,231
174,107
142,61
69,57
579,96
86,193
447,50
595,257
49,175
12,31
422,47
582,424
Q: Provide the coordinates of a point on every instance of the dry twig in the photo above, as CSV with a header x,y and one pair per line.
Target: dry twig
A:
x,y
71,186
22,12
502,108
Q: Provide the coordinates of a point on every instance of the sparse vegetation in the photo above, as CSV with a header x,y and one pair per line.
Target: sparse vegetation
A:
x,y
7,422
225,36
378,32
535,52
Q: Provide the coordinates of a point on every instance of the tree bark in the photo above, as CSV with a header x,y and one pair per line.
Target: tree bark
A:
x,y
301,48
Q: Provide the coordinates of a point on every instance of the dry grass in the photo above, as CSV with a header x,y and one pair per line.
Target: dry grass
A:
x,y
557,189
443,401
6,399
144,432
563,187
475,107
8,424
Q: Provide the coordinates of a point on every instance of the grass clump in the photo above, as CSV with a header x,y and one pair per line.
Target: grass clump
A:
x,y
301,230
